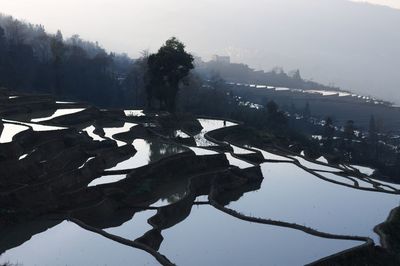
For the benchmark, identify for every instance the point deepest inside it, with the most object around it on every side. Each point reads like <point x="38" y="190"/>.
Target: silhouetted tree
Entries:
<point x="379" y="124"/>
<point x="166" y="70"/>
<point x="135" y="81"/>
<point x="293" y="108"/>
<point x="329" y="131"/>
<point x="349" y="129"/>
<point x="57" y="50"/>
<point x="2" y="54"/>
<point x="275" y="118"/>
<point x="307" y="110"/>
<point x="2" y="38"/>
<point x="272" y="108"/>
<point x="372" y="130"/>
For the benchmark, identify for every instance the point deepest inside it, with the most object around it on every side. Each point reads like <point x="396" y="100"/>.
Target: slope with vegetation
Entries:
<point x="33" y="60"/>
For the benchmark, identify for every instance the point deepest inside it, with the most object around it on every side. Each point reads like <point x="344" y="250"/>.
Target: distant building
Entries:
<point x="221" y="59"/>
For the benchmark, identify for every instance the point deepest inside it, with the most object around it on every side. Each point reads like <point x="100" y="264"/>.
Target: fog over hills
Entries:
<point x="352" y="45"/>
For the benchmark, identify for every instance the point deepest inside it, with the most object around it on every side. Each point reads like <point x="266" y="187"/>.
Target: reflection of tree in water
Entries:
<point x="177" y="196"/>
<point x="160" y="150"/>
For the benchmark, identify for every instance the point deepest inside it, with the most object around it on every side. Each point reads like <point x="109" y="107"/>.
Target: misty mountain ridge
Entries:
<point x="30" y="53"/>
<point x="351" y="45"/>
<point x="347" y="44"/>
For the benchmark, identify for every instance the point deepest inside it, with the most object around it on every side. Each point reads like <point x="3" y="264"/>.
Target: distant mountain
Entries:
<point x="349" y="44"/>
<point x="241" y="73"/>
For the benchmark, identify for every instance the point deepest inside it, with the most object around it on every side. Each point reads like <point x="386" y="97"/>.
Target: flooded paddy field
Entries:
<point x="83" y="186"/>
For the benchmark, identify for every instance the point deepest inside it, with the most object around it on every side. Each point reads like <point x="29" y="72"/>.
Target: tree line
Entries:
<point x="33" y="60"/>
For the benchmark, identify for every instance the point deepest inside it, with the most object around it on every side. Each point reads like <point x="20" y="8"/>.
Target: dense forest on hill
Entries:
<point x="33" y="60"/>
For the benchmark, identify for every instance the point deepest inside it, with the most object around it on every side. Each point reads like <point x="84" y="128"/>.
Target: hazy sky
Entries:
<point x="391" y="3"/>
<point x="352" y="45"/>
<point x="143" y="21"/>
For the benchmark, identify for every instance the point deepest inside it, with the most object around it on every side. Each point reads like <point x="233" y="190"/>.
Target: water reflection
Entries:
<point x="68" y="244"/>
<point x="57" y="113"/>
<point x="172" y="198"/>
<point x="209" y="237"/>
<point x="149" y="151"/>
<point x="36" y="127"/>
<point x="136" y="113"/>
<point x="239" y="150"/>
<point x="291" y="194"/>
<point x="210" y="125"/>
<point x="9" y="131"/>
<point x="185" y="232"/>
<point x="237" y="162"/>
<point x="315" y="166"/>
<point x="180" y="134"/>
<point x="109" y="132"/>
<point x="169" y="208"/>
<point x="364" y="170"/>
<point x="90" y="131"/>
<point x="202" y="151"/>
<point x="206" y="237"/>
<point x="106" y="180"/>
<point x="272" y="156"/>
